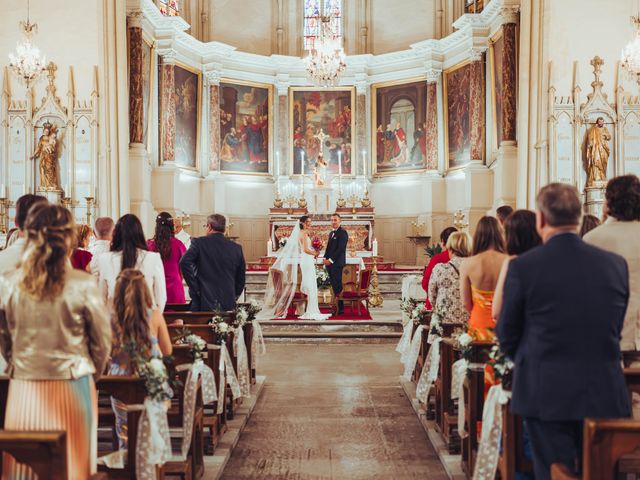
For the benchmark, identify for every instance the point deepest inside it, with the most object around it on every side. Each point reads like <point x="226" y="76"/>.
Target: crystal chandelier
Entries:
<point x="27" y="63"/>
<point x="326" y="60"/>
<point x="631" y="52"/>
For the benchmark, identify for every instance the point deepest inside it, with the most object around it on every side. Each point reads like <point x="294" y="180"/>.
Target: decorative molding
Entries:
<point x="134" y="19"/>
<point x="510" y="14"/>
<point x="476" y="54"/>
<point x="433" y="75"/>
<point x="168" y="55"/>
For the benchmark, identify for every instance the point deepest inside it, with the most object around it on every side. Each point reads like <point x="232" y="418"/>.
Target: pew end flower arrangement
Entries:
<point x="221" y="328"/>
<point x="502" y="367"/>
<point x="158" y="373"/>
<point x="196" y="343"/>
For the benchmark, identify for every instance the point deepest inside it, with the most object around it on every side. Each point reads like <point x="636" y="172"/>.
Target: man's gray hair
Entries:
<point x="217" y="222"/>
<point x="560" y="204"/>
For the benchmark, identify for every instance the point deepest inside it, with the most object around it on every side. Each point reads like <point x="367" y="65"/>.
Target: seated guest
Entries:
<point x="619" y="234"/>
<point x="103" y="233"/>
<point x="56" y="336"/>
<point x="589" y="222"/>
<point x="129" y="250"/>
<point x="135" y="322"/>
<point x="180" y="232"/>
<point x="81" y="257"/>
<point x="10" y="256"/>
<point x="562" y="314"/>
<point x="479" y="277"/>
<point x="442" y="257"/>
<point x="214" y="269"/>
<point x="171" y="251"/>
<point x="521" y="235"/>
<point x="502" y="213"/>
<point x="444" y="284"/>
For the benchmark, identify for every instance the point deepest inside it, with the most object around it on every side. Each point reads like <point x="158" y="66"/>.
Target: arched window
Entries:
<point x="313" y="11"/>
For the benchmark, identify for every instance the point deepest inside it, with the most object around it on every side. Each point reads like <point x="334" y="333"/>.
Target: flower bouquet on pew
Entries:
<point x="196" y="343"/>
<point x="252" y="308"/>
<point x="502" y="367"/>
<point x="420" y="316"/>
<point x="408" y="305"/>
<point x="221" y="328"/>
<point x="158" y="373"/>
<point x="241" y="317"/>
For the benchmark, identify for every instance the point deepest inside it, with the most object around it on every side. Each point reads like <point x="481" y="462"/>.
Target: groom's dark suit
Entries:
<point x="336" y="252"/>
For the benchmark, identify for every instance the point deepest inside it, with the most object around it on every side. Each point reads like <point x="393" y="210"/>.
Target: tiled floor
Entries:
<point x="333" y="412"/>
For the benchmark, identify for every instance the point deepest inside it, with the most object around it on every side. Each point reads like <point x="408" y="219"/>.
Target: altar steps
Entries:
<point x="336" y="331"/>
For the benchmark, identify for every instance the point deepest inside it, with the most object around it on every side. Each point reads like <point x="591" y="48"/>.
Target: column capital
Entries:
<point x="476" y="53"/>
<point x="433" y="75"/>
<point x="212" y="77"/>
<point x="282" y="84"/>
<point x="361" y="83"/>
<point x="168" y="55"/>
<point x="510" y="14"/>
<point x="134" y="19"/>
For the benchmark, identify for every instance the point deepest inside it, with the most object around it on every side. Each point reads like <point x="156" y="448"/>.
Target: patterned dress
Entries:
<point x="444" y="292"/>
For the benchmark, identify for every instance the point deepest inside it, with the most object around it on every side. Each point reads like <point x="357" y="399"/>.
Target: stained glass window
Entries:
<point x="313" y="21"/>
<point x="168" y="7"/>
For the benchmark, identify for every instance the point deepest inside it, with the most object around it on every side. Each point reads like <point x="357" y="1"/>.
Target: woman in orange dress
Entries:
<point x="478" y="278"/>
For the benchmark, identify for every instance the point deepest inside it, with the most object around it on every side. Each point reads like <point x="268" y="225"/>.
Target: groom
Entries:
<point x="335" y="257"/>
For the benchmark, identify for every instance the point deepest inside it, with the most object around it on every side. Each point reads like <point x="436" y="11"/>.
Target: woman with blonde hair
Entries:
<point x="444" y="283"/>
<point x="138" y="325"/>
<point x="56" y="337"/>
<point x="81" y="256"/>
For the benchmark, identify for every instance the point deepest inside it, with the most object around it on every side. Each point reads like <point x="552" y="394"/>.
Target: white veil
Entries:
<point x="283" y="279"/>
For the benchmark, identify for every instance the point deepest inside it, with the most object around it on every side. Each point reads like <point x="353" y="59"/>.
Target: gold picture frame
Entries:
<point x="198" y="154"/>
<point x="353" y="143"/>
<point x="153" y="69"/>
<point x="270" y="147"/>
<point x="445" y="106"/>
<point x="374" y="113"/>
<point x="495" y="144"/>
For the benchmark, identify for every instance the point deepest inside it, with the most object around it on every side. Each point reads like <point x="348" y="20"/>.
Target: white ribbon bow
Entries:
<point x="154" y="444"/>
<point x="429" y="372"/>
<point x="459" y="372"/>
<point x="489" y="448"/>
<point x="414" y="351"/>
<point x="197" y="370"/>
<point x="240" y="350"/>
<point x="227" y="376"/>
<point x="257" y="343"/>
<point x="405" y="341"/>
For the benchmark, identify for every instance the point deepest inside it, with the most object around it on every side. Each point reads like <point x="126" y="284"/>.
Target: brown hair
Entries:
<point x="623" y="198"/>
<point x="589" y="222"/>
<point x="83" y="232"/>
<point x="217" y="222"/>
<point x="459" y="243"/>
<point x="23" y="205"/>
<point x="521" y="233"/>
<point x="503" y="212"/>
<point x="164" y="232"/>
<point x="444" y="235"/>
<point x="50" y="233"/>
<point x="560" y="204"/>
<point x="132" y="302"/>
<point x="104" y="227"/>
<point x="488" y="236"/>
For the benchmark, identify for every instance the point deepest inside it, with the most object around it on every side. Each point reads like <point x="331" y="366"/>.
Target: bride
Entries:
<point x="297" y="254"/>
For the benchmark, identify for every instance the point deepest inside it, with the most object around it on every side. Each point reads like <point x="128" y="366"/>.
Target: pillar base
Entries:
<point x="594" y="200"/>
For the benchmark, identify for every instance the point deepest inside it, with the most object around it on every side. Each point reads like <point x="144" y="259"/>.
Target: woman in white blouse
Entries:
<point x="444" y="284"/>
<point x="129" y="250"/>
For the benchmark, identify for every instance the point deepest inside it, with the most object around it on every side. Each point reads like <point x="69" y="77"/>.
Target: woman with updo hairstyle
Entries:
<point x="522" y="235"/>
<point x="129" y="250"/>
<point x="136" y="323"/>
<point x="56" y="337"/>
<point x="81" y="257"/>
<point x="171" y="251"/>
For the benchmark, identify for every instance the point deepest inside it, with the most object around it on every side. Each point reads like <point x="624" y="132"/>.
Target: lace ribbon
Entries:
<point x="257" y="343"/>
<point x="489" y="448"/>
<point x="227" y="376"/>
<point x="154" y="444"/>
<point x="412" y="354"/>
<point x="197" y="370"/>
<point x="242" y="357"/>
<point x="429" y="371"/>
<point x="459" y="372"/>
<point x="405" y="341"/>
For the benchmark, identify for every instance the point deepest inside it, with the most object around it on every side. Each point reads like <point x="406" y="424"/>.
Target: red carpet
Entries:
<point x="349" y="314"/>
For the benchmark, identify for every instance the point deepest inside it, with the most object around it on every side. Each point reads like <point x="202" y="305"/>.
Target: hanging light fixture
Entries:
<point x="27" y="63"/>
<point x="631" y="52"/>
<point x="326" y="60"/>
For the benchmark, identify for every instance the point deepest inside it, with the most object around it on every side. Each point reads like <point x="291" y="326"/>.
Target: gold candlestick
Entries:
<point x="66" y="202"/>
<point x="366" y="201"/>
<point x="459" y="220"/>
<point x="353" y="200"/>
<point x="290" y="201"/>
<point x="4" y="215"/>
<point x="90" y="203"/>
<point x="375" y="298"/>
<point x="341" y="202"/>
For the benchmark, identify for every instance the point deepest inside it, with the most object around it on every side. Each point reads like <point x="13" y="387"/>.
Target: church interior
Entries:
<point x="410" y="125"/>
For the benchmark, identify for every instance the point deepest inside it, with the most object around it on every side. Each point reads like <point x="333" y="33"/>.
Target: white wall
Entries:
<point x="396" y="25"/>
<point x="68" y="35"/>
<point x="245" y="24"/>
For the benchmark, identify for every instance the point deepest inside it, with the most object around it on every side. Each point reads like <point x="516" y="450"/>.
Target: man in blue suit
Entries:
<point x="563" y="310"/>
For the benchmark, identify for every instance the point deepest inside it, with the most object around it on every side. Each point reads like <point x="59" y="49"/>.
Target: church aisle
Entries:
<point x="333" y="411"/>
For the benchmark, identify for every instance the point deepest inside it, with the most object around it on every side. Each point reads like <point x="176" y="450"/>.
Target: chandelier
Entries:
<point x="326" y="60"/>
<point x="27" y="63"/>
<point x="631" y="52"/>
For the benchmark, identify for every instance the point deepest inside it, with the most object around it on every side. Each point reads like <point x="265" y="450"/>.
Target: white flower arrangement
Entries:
<point x="282" y="242"/>
<point x="220" y="327"/>
<point x="322" y="278"/>
<point x="464" y="340"/>
<point x="154" y="373"/>
<point x="242" y="316"/>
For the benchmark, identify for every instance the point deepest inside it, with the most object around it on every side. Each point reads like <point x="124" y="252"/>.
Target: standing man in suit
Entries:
<point x="214" y="269"/>
<point x="563" y="311"/>
<point x="335" y="257"/>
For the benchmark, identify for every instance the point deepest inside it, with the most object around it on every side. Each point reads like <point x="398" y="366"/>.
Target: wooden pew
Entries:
<point x="512" y="458"/>
<point x="177" y="307"/>
<point x="44" y="452"/>
<point x="605" y="444"/>
<point x="446" y="418"/>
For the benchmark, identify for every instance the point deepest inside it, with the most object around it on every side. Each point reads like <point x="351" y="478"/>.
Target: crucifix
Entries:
<point x="322" y="137"/>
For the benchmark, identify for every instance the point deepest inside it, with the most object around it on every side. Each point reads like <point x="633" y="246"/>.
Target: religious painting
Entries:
<point x="147" y="85"/>
<point x="497" y="47"/>
<point x="245" y="121"/>
<point x="457" y="119"/>
<point x="399" y="114"/>
<point x="187" y="90"/>
<point x="321" y="125"/>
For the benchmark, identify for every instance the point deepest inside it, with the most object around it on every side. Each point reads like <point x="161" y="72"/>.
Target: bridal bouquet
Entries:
<point x="316" y="244"/>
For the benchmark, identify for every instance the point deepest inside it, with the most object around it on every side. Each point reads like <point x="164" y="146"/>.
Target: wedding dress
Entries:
<point x="283" y="280"/>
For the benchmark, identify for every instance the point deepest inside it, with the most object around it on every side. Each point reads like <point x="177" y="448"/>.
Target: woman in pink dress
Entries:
<point x="171" y="251"/>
